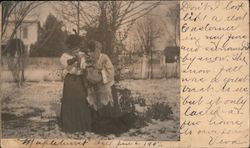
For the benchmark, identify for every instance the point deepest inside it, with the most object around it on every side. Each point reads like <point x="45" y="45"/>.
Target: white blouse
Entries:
<point x="102" y="94"/>
<point x="74" y="68"/>
<point x="107" y="69"/>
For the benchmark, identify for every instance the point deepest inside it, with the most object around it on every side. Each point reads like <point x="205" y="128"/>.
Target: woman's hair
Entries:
<point x="92" y="45"/>
<point x="73" y="40"/>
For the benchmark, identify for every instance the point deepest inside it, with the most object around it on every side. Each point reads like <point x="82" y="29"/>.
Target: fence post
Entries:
<point x="164" y="60"/>
<point x="144" y="65"/>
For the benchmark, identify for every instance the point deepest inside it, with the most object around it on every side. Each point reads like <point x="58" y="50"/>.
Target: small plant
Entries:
<point x="141" y="101"/>
<point x="160" y="111"/>
<point x="126" y="101"/>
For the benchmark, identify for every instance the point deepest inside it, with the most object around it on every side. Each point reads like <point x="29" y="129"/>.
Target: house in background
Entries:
<point x="28" y="32"/>
<point x="164" y="64"/>
<point x="171" y="58"/>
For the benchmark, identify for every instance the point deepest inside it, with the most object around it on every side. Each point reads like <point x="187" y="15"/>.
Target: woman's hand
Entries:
<point x="72" y="61"/>
<point x="78" y="57"/>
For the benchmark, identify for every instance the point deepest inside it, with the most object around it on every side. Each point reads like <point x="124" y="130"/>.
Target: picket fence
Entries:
<point x="50" y="69"/>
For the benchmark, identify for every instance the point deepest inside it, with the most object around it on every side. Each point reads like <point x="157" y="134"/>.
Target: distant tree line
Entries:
<point x="50" y="39"/>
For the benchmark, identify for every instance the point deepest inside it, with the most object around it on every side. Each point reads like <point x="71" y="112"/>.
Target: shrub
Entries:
<point x="126" y="101"/>
<point x="139" y="100"/>
<point x="160" y="111"/>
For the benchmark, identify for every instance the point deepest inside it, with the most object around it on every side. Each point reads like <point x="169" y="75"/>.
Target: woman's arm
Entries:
<point x="67" y="59"/>
<point x="108" y="70"/>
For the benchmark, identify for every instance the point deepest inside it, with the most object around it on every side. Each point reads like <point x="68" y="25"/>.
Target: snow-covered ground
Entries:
<point x="32" y="111"/>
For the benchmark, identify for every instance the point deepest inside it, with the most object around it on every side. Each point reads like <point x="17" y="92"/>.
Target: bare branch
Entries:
<point x="20" y="12"/>
<point x="143" y="12"/>
<point x="147" y="33"/>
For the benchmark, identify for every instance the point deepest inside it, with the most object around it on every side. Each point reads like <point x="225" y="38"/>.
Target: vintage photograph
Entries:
<point x="90" y="69"/>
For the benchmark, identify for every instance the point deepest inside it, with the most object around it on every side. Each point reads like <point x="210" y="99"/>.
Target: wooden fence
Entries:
<point x="50" y="69"/>
<point x="141" y="70"/>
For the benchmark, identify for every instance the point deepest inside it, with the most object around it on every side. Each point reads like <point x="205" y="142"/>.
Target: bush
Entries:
<point x="160" y="111"/>
<point x="139" y="100"/>
<point x="126" y="101"/>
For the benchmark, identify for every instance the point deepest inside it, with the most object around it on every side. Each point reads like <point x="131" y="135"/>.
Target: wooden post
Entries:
<point x="141" y="68"/>
<point x="151" y="68"/>
<point x="144" y="66"/>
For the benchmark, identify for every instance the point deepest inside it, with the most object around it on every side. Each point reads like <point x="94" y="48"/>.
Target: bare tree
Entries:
<point x="15" y="12"/>
<point x="174" y="15"/>
<point x="147" y="33"/>
<point x="105" y="20"/>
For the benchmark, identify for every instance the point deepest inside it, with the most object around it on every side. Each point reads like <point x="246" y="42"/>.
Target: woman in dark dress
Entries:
<point x="75" y="111"/>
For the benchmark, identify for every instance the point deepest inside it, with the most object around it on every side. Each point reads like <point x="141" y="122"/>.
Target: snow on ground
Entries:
<point x="32" y="111"/>
<point x="159" y="90"/>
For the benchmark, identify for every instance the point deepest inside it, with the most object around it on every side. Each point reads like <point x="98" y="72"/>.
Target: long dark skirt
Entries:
<point x="110" y="120"/>
<point x="75" y="112"/>
<point x="108" y="111"/>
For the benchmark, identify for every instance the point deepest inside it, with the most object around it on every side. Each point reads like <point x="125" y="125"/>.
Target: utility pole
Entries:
<point x="151" y="68"/>
<point x="151" y="56"/>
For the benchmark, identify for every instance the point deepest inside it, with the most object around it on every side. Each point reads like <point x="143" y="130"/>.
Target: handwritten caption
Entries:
<point x="87" y="143"/>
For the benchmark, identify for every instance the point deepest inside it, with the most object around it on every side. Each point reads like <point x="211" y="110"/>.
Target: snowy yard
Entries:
<point x="32" y="110"/>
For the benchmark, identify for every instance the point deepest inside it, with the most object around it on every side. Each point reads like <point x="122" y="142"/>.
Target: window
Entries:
<point x="25" y="32"/>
